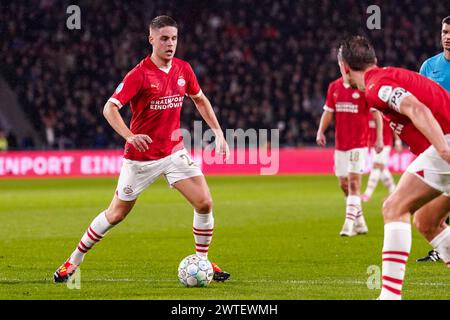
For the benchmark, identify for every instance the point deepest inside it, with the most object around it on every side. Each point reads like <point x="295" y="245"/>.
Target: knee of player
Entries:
<point x="391" y="208"/>
<point x="423" y="226"/>
<point x="353" y="185"/>
<point x="204" y="205"/>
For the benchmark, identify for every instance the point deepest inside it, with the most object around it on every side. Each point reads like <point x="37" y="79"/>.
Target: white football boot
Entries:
<point x="348" y="230"/>
<point x="360" y="225"/>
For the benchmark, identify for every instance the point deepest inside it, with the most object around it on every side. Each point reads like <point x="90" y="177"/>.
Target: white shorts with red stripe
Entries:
<point x="432" y="169"/>
<point x="349" y="161"/>
<point x="136" y="176"/>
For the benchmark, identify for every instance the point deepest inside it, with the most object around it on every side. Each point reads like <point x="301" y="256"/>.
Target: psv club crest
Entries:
<point x="181" y="82"/>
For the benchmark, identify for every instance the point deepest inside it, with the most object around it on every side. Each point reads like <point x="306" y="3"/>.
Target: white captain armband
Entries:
<point x="393" y="97"/>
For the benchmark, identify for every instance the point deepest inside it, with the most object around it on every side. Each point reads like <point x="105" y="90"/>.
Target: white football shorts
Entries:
<point x="136" y="176"/>
<point x="432" y="169"/>
<point x="351" y="161"/>
<point x="382" y="157"/>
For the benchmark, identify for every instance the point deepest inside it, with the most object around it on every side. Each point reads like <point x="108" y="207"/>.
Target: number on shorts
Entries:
<point x="354" y="156"/>
<point x="188" y="160"/>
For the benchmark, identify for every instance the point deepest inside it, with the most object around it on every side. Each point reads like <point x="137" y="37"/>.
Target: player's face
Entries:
<point x="445" y="36"/>
<point x="164" y="42"/>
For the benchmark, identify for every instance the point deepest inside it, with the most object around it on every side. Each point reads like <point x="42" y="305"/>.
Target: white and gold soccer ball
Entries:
<point x="195" y="271"/>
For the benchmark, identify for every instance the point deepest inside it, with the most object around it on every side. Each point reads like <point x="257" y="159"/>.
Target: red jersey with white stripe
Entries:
<point x="351" y="115"/>
<point x="387" y="87"/>
<point x="388" y="134"/>
<point x="156" y="98"/>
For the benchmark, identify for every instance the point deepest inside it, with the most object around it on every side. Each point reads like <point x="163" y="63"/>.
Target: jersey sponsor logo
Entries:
<point x="181" y="82"/>
<point x="356" y="95"/>
<point x="384" y="93"/>
<point x="168" y="102"/>
<point x="119" y="88"/>
<point x="397" y="97"/>
<point x="346" y="107"/>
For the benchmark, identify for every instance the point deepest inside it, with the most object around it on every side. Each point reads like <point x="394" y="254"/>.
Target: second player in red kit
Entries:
<point x="351" y="142"/>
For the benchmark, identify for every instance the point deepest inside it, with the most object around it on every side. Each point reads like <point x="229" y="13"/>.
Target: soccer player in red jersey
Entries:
<point x="419" y="111"/>
<point x="351" y="141"/>
<point x="155" y="90"/>
<point x="380" y="160"/>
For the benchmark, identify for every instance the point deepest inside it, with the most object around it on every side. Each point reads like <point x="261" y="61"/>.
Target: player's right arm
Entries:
<point x="112" y="115"/>
<point x="125" y="91"/>
<point x="325" y="121"/>
<point x="327" y="117"/>
<point x="424" y="120"/>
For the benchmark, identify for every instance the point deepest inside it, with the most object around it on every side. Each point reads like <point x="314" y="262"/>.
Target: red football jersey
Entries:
<point x="351" y="115"/>
<point x="388" y="134"/>
<point x="156" y="98"/>
<point x="385" y="90"/>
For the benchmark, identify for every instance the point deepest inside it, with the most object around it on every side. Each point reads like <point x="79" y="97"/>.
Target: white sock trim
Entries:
<point x="440" y="237"/>
<point x="397" y="226"/>
<point x="203" y="217"/>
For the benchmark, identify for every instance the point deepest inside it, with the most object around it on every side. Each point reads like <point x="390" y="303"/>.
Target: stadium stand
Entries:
<point x="262" y="66"/>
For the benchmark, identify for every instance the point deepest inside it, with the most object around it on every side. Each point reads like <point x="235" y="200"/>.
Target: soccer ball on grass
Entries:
<point x="195" y="271"/>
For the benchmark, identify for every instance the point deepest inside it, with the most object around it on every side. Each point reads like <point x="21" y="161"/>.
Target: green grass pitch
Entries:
<point x="277" y="236"/>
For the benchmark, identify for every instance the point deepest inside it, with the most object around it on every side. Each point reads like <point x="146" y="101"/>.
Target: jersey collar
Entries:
<point x="151" y="65"/>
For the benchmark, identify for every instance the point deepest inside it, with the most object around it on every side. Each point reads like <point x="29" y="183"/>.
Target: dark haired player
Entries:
<point x="155" y="90"/>
<point x="419" y="111"/>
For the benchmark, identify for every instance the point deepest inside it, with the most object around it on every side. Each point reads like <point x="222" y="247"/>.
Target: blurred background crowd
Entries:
<point x="263" y="64"/>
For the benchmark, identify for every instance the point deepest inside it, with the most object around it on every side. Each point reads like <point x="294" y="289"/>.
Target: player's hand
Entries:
<point x="379" y="146"/>
<point x="140" y="142"/>
<point x="222" y="146"/>
<point x="398" y="145"/>
<point x="445" y="155"/>
<point x="321" y="139"/>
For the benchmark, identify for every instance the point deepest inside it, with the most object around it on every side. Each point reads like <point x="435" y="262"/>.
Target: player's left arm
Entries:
<point x="398" y="145"/>
<point x="424" y="120"/>
<point x="379" y="145"/>
<point x="206" y="110"/>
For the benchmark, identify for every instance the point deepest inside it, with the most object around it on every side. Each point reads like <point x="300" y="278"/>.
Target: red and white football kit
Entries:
<point x="385" y="90"/>
<point x="351" y="127"/>
<point x="156" y="97"/>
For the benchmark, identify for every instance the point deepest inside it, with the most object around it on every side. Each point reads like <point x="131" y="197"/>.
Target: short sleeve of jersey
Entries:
<point x="386" y="93"/>
<point x="193" y="88"/>
<point x="128" y="88"/>
<point x="330" y="103"/>
<point x="425" y="69"/>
